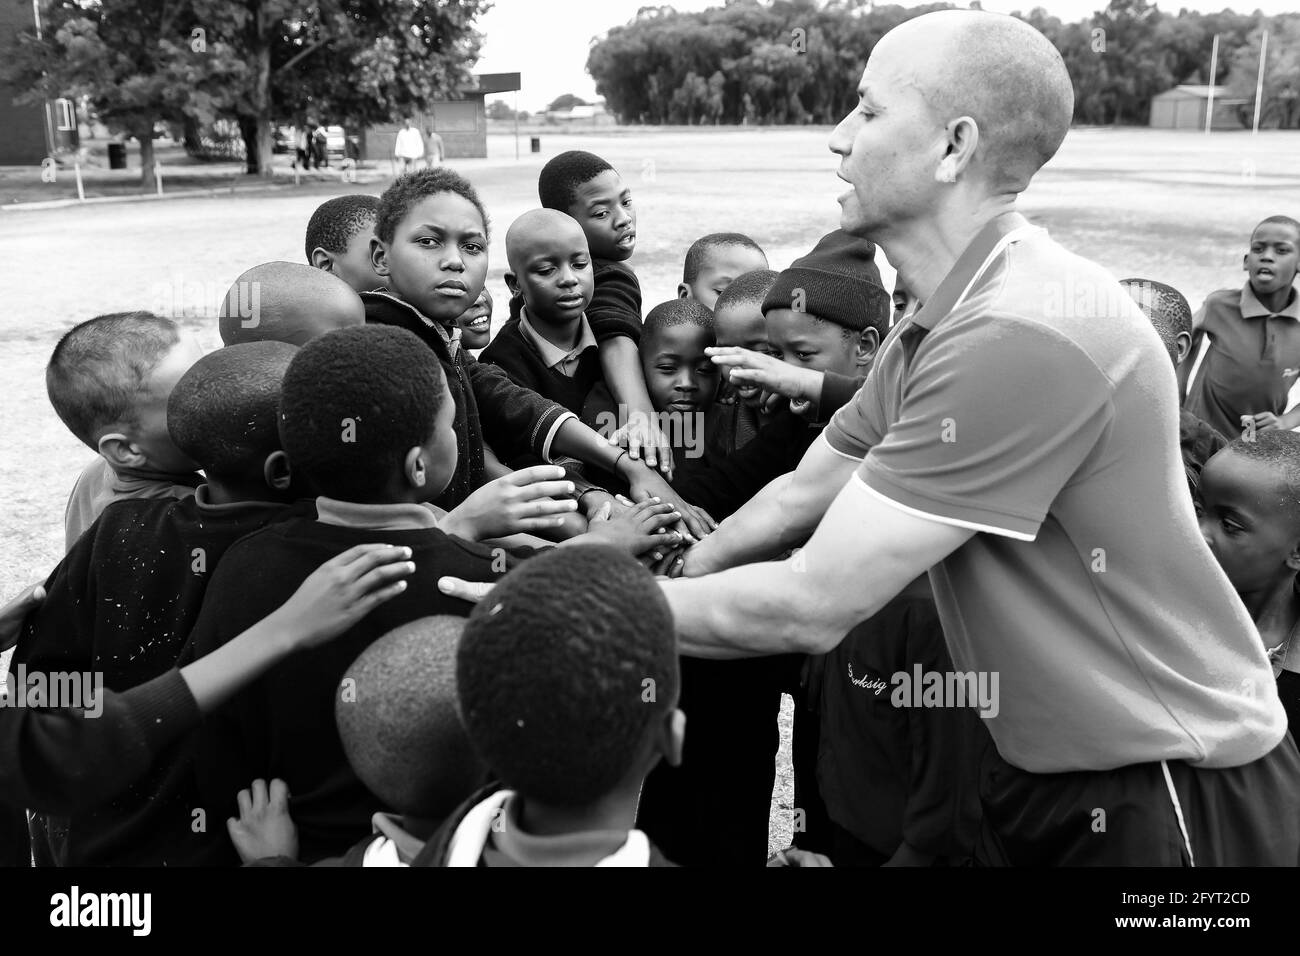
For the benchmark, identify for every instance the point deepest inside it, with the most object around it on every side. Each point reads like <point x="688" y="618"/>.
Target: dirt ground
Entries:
<point x="1174" y="206"/>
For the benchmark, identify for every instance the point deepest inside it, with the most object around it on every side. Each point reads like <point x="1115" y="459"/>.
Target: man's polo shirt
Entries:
<point x="564" y="361"/>
<point x="1031" y="401"/>
<point x="1250" y="363"/>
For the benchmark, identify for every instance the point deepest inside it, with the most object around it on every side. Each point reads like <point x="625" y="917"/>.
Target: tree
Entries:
<point x="354" y="62"/>
<point x="1281" y="106"/>
<point x="119" y="54"/>
<point x="566" y="101"/>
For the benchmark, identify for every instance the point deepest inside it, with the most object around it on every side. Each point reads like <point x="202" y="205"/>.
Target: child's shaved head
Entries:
<point x="1166" y="308"/>
<point x="287" y="302"/>
<point x="538" y="230"/>
<point x="401" y="729"/>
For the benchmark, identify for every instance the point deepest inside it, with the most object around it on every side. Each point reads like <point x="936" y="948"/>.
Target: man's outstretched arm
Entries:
<point x="865" y="551"/>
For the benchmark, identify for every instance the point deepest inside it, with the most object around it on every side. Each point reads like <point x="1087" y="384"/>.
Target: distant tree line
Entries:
<point x="799" y="61"/>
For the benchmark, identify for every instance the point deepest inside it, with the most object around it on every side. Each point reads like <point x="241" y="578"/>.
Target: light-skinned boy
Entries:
<point x="338" y="240"/>
<point x="122" y="602"/>
<point x="108" y="380"/>
<point x="714" y="261"/>
<point x="431" y="244"/>
<point x="1248" y="504"/>
<point x="1246" y="344"/>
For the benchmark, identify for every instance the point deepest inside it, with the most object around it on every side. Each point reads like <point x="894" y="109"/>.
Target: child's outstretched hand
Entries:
<point x="645" y="441"/>
<point x="264" y="827"/>
<point x="340" y="593"/>
<point x="13" y="614"/>
<point x="644" y="484"/>
<point x="803" y="386"/>
<point x="635" y="530"/>
<point x="527" y="500"/>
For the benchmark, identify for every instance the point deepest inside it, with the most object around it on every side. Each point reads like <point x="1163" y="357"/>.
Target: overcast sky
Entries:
<point x="547" y="40"/>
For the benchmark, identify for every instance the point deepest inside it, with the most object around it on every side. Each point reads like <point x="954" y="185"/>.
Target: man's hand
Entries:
<point x="340" y="593"/>
<point x="528" y="500"/>
<point x="14" y="613"/>
<point x="264" y="827"/>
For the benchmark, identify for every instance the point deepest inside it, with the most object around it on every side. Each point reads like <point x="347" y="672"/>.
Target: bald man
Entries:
<point x="287" y="302"/>
<point x="1015" y="441"/>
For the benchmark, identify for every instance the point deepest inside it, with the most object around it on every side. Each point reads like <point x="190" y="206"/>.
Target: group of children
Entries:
<point x="258" y="559"/>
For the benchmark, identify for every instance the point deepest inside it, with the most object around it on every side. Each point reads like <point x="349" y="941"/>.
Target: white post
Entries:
<point x="157" y="175"/>
<point x="1214" y="71"/>
<point x="81" y="192"/>
<point x="1259" y="83"/>
<point x="516" y="125"/>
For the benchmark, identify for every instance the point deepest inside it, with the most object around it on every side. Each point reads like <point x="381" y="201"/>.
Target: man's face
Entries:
<point x="603" y="208"/>
<point x="743" y="325"/>
<point x="1245" y="519"/>
<point x="888" y="146"/>
<point x="150" y="430"/>
<point x="679" y="376"/>
<point x="721" y="265"/>
<point x="438" y="258"/>
<point x="805" y="341"/>
<point x="1273" y="258"/>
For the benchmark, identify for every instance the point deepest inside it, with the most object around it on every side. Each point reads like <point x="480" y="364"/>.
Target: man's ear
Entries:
<point x="120" y="452"/>
<point x="1293" y="559"/>
<point x="1182" y="346"/>
<point x="321" y="259"/>
<point x="512" y="283"/>
<point x="413" y="467"/>
<point x="963" y="135"/>
<point x="275" y="471"/>
<point x="673" y="737"/>
<point x="684" y="291"/>
<point x="867" y="345"/>
<point x="379" y="257"/>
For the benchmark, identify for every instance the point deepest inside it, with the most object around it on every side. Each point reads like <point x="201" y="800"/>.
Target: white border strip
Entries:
<point x="956" y="522"/>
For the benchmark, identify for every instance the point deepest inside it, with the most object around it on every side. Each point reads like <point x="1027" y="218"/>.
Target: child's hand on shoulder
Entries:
<point x="340" y="593"/>
<point x="264" y="827"/>
<point x="529" y="500"/>
<point x="637" y="529"/>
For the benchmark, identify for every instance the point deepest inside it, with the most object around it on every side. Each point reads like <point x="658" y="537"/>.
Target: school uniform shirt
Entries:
<point x="615" y="307"/>
<point x="1049" y="429"/>
<point x="485" y="831"/>
<point x="99" y="484"/>
<point x="121" y="605"/>
<point x="565" y="376"/>
<point x="282" y="725"/>
<point x="1251" y="358"/>
<point x="516" y="421"/>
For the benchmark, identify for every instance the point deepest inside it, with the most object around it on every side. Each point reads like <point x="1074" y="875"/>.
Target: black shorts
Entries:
<point x="1151" y="814"/>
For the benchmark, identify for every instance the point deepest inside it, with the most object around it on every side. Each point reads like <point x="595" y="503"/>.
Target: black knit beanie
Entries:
<point x="838" y="281"/>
